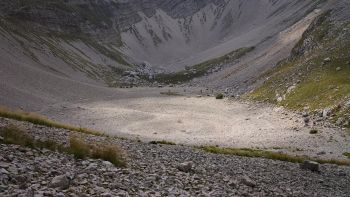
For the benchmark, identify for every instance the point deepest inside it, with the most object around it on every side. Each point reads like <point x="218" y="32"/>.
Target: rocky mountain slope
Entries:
<point x="96" y="41"/>
<point x="315" y="78"/>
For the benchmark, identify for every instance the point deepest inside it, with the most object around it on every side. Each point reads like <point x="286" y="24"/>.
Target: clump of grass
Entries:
<point x="109" y="153"/>
<point x="162" y="142"/>
<point x="269" y="155"/>
<point x="252" y="153"/>
<point x="81" y="150"/>
<point x="219" y="96"/>
<point x="77" y="147"/>
<point x="13" y="135"/>
<point x="347" y="154"/>
<point x="41" y="120"/>
<point x="313" y="131"/>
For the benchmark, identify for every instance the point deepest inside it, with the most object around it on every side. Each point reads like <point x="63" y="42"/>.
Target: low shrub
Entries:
<point x="313" y="131"/>
<point x="219" y="96"/>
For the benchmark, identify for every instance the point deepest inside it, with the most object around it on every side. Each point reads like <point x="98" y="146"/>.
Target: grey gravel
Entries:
<point x="153" y="170"/>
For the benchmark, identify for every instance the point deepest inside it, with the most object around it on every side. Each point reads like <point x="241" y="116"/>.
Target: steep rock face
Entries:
<point x="161" y="32"/>
<point x="94" y="15"/>
<point x="99" y="39"/>
<point x="175" y="42"/>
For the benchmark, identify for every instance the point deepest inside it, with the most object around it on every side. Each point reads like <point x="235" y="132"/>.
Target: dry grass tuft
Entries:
<point x="77" y="147"/>
<point x="245" y="152"/>
<point x="111" y="153"/>
<point x="41" y="120"/>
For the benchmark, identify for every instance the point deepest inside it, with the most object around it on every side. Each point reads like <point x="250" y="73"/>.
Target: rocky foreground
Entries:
<point x="156" y="170"/>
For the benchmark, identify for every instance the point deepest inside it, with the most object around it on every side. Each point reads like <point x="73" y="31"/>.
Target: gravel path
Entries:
<point x="153" y="170"/>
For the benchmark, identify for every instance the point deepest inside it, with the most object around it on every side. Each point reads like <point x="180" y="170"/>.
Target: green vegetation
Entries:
<point x="313" y="131"/>
<point x="162" y="142"/>
<point x="245" y="152"/>
<point x="320" y="76"/>
<point x="201" y="69"/>
<point x="77" y="147"/>
<point x="111" y="153"/>
<point x="41" y="120"/>
<point x="347" y="154"/>
<point x="81" y="150"/>
<point x="253" y="153"/>
<point x="219" y="96"/>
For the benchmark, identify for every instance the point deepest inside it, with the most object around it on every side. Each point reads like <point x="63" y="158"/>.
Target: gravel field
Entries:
<point x="156" y="170"/>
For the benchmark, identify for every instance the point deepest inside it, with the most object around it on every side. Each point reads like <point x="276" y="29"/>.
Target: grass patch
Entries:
<point x="111" y="153"/>
<point x="219" y="96"/>
<point x="77" y="147"/>
<point x="269" y="155"/>
<point x="253" y="153"/>
<point x="162" y="142"/>
<point x="13" y="135"/>
<point x="318" y="83"/>
<point x="41" y="120"/>
<point x="347" y="154"/>
<point x="313" y="131"/>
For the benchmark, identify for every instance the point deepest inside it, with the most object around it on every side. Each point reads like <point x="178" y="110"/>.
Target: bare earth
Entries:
<point x="147" y="115"/>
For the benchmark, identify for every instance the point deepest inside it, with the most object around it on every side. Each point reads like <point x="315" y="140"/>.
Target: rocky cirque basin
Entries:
<point x="58" y="57"/>
<point x="194" y="119"/>
<point x="156" y="170"/>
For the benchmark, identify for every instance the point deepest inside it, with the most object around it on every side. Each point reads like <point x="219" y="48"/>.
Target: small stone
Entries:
<point x="305" y="114"/>
<point x="290" y="89"/>
<point x="248" y="182"/>
<point x="107" y="164"/>
<point x="106" y="194"/>
<point x="185" y="167"/>
<point x="60" y="194"/>
<point x="326" y="60"/>
<point x="310" y="165"/>
<point x="3" y="171"/>
<point x="279" y="99"/>
<point x="233" y="184"/>
<point x="338" y="69"/>
<point x="326" y="112"/>
<point x="61" y="182"/>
